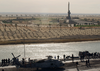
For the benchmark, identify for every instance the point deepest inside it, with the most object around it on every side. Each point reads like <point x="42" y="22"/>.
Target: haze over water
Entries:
<point x="38" y="51"/>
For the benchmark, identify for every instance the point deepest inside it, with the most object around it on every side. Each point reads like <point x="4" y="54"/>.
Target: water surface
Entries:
<point x="38" y="51"/>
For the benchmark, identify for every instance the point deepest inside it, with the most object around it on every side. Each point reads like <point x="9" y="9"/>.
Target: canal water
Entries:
<point x="40" y="51"/>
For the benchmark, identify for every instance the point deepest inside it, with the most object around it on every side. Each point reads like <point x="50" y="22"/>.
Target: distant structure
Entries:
<point x="73" y="22"/>
<point x="69" y="21"/>
<point x="68" y="18"/>
<point x="69" y="11"/>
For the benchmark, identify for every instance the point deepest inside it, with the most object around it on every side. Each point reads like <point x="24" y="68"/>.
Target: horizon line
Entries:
<point x="45" y="13"/>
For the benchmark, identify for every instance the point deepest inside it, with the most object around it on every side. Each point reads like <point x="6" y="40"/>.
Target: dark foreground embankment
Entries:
<point x="94" y="64"/>
<point x="53" y="40"/>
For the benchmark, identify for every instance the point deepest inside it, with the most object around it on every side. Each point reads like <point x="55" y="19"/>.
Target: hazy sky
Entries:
<point x="50" y="6"/>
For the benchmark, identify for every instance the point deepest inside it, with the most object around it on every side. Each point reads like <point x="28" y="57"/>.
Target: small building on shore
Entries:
<point x="80" y="22"/>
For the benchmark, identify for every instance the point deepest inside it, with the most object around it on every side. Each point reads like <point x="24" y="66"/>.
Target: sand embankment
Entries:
<point x="44" y="34"/>
<point x="56" y="40"/>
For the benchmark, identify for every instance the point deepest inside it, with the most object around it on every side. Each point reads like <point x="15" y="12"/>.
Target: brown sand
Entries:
<point x="55" y="34"/>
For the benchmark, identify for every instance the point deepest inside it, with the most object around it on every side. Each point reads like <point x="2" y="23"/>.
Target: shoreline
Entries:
<point x="52" y="40"/>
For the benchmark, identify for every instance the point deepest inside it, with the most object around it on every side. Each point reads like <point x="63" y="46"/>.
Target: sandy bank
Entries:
<point x="54" y="40"/>
<point x="43" y="34"/>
